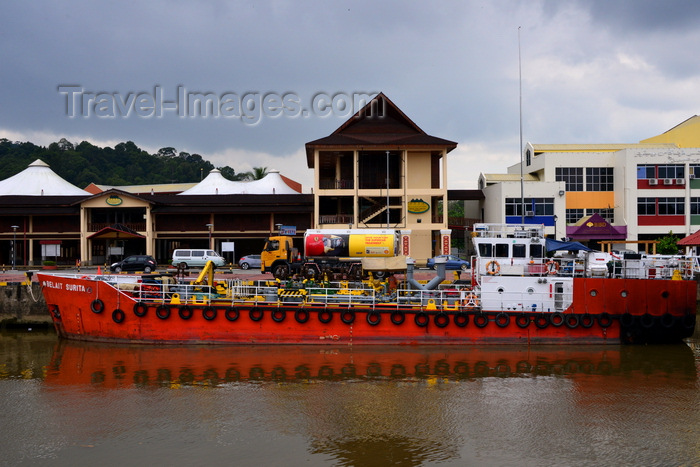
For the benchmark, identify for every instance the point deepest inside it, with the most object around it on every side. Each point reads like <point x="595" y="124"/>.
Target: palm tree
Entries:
<point x="257" y="174"/>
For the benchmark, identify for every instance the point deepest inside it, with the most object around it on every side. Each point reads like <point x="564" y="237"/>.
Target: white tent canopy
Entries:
<point x="216" y="184"/>
<point x="38" y="180"/>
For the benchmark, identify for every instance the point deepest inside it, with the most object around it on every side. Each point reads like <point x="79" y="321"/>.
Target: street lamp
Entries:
<point x="14" y="239"/>
<point x="387" y="190"/>
<point x="555" y="225"/>
<point x="209" y="226"/>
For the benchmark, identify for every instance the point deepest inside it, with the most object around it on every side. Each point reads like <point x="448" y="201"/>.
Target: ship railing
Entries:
<point x="651" y="267"/>
<point x="451" y="298"/>
<point x="538" y="267"/>
<point x="509" y="230"/>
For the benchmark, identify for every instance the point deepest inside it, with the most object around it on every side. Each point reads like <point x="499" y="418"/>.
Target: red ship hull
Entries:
<point x="603" y="311"/>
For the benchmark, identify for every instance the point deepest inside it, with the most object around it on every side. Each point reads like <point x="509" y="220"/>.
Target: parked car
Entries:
<point x="249" y="261"/>
<point x="143" y="263"/>
<point x="197" y="258"/>
<point x="451" y="262"/>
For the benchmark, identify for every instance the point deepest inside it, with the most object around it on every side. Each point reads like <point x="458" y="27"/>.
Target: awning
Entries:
<point x="691" y="240"/>
<point x="116" y="231"/>
<point x="594" y="227"/>
<point x="556" y="245"/>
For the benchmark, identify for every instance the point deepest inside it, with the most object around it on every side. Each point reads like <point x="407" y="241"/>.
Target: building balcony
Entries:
<point x="344" y="219"/>
<point x="333" y="184"/>
<point x="135" y="226"/>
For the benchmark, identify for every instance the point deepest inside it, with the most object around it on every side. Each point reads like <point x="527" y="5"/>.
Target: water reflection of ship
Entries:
<point x="75" y="363"/>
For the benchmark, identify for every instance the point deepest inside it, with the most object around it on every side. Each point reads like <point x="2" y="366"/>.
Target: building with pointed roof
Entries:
<point x="38" y="180"/>
<point x="216" y="184"/>
<point x="379" y="169"/>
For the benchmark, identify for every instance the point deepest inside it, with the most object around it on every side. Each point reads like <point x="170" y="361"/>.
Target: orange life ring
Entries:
<point x="493" y="268"/>
<point x="552" y="267"/>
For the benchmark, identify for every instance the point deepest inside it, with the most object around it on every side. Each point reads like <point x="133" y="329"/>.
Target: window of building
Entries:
<point x="671" y="206"/>
<point x="573" y="215"/>
<point x="646" y="171"/>
<point x="646" y="206"/>
<point x="573" y="176"/>
<point x="607" y="214"/>
<point x="538" y="206"/>
<point x="671" y="171"/>
<point x="513" y="207"/>
<point x="543" y="206"/>
<point x="694" y="170"/>
<point x="599" y="179"/>
<point x="694" y="206"/>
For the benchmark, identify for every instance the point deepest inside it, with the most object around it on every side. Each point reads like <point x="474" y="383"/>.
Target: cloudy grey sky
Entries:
<point x="600" y="71"/>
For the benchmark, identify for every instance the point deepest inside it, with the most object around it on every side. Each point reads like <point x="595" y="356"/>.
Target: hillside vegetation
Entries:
<point x="124" y="164"/>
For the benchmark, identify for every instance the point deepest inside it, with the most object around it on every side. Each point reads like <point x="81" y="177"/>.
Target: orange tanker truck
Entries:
<point x="334" y="253"/>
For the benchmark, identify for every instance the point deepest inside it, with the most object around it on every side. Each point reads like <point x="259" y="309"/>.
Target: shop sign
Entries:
<point x="288" y="230"/>
<point x="418" y="206"/>
<point x="113" y="200"/>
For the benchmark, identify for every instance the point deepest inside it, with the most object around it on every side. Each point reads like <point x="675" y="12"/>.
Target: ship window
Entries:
<point x="501" y="290"/>
<point x="536" y="251"/>
<point x="530" y="290"/>
<point x="623" y="293"/>
<point x="485" y="250"/>
<point x="501" y="250"/>
<point x="594" y="292"/>
<point x="518" y="250"/>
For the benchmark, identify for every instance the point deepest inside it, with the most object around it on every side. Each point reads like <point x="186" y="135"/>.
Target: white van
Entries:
<point x="196" y="258"/>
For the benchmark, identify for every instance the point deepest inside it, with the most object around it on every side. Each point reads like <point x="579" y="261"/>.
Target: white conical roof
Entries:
<point x="38" y="180"/>
<point x="216" y="184"/>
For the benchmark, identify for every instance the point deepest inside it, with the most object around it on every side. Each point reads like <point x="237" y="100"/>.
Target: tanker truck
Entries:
<point x="334" y="253"/>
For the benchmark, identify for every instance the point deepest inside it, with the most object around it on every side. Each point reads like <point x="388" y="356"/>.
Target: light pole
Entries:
<point x="555" y="225"/>
<point x="14" y="240"/>
<point x="387" y="190"/>
<point x="209" y="226"/>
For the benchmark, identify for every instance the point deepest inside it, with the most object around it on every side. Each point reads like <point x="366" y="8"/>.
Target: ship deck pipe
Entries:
<point x="434" y="282"/>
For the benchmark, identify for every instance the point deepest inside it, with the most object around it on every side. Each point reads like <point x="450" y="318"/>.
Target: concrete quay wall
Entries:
<point x="22" y="304"/>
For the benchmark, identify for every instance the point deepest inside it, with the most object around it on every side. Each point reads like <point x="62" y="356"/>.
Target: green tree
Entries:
<point x="257" y="173"/>
<point x="667" y="245"/>
<point x="125" y="164"/>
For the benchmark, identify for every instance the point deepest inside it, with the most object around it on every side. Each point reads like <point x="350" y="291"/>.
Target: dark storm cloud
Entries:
<point x="592" y="71"/>
<point x="644" y="16"/>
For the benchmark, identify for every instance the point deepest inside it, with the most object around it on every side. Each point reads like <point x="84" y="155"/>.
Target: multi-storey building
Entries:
<point x="631" y="193"/>
<point x="379" y="169"/>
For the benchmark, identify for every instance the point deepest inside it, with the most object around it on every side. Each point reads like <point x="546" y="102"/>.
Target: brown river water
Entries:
<point x="68" y="403"/>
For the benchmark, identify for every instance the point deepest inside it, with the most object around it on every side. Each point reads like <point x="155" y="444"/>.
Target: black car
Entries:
<point x="143" y="263"/>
